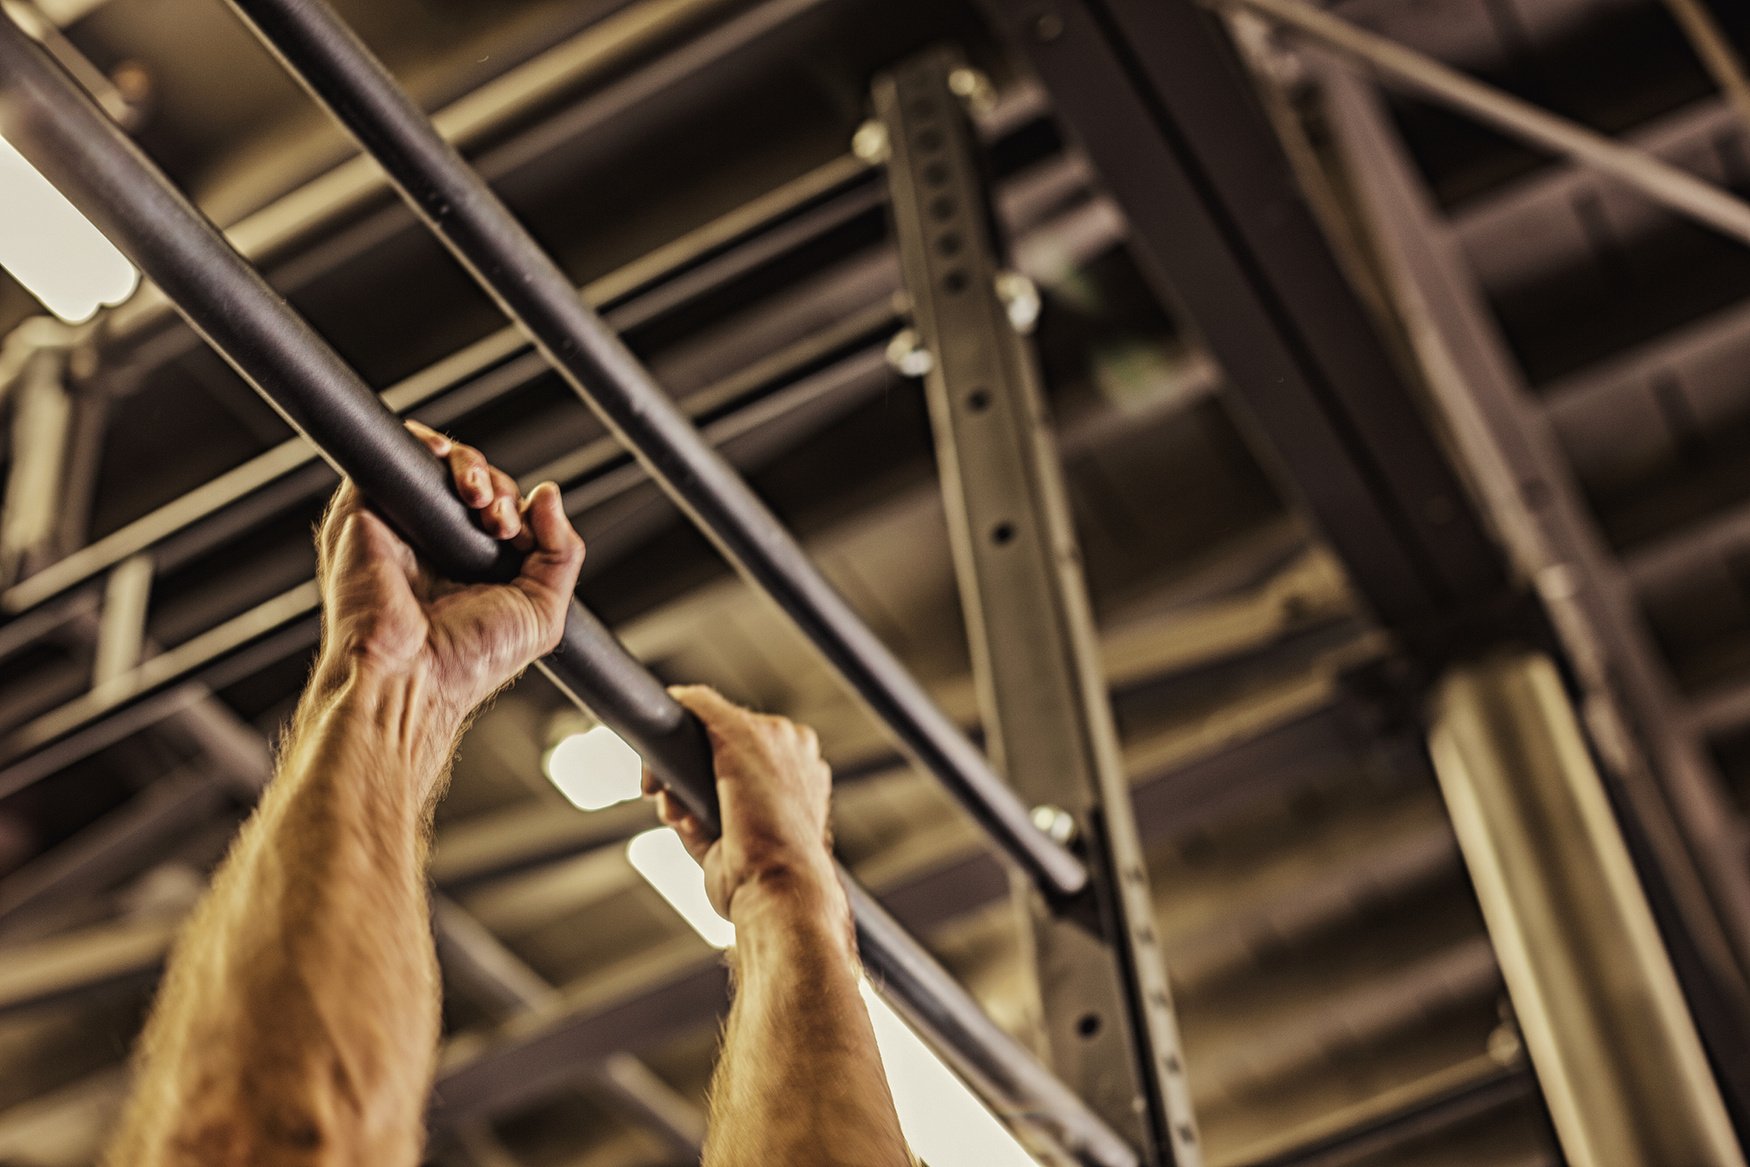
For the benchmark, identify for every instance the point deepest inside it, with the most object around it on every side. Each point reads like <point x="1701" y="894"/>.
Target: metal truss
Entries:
<point x="1154" y="95"/>
<point x="1215" y="222"/>
<point x="1674" y="805"/>
<point x="1425" y="77"/>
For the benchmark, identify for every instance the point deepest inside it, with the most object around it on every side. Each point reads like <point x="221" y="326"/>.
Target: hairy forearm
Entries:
<point x="800" y="1078"/>
<point x="299" y="1016"/>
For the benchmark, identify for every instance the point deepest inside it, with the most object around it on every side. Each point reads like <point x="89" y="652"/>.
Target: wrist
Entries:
<point x="398" y="707"/>
<point x="802" y="904"/>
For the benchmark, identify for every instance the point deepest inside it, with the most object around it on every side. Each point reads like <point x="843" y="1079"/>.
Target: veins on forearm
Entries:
<point x="800" y="1079"/>
<point x="298" y="1021"/>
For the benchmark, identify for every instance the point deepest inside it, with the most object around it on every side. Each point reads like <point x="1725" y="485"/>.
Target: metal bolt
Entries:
<point x="1504" y="1045"/>
<point x="907" y="356"/>
<point x="1020" y="296"/>
<point x="870" y="143"/>
<point x="974" y="88"/>
<point x="1057" y="823"/>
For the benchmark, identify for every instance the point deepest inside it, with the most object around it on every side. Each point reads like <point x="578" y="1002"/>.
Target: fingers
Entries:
<point x="722" y="717"/>
<point x="557" y="556"/>
<point x="472" y="475"/>
<point x="693" y="834"/>
<point x="716" y="711"/>
<point x="675" y="815"/>
<point x="549" y="572"/>
<point x="503" y="516"/>
<point x="438" y="443"/>
<point x="491" y="493"/>
<point x="684" y="823"/>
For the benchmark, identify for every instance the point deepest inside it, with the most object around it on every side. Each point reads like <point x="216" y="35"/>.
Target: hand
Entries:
<point x="773" y="788"/>
<point x="384" y="610"/>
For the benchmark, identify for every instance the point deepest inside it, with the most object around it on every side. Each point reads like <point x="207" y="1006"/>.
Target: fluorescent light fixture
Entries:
<point x="52" y="249"/>
<point x="595" y="769"/>
<point x="943" y="1120"/>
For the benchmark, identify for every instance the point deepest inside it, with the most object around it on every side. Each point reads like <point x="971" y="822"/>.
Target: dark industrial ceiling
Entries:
<point x="689" y="162"/>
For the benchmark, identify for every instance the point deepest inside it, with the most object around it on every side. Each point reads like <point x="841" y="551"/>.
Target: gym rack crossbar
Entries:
<point x="59" y="127"/>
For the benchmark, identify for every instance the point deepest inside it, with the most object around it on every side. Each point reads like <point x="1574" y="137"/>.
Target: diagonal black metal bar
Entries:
<point x="63" y="132"/>
<point x="507" y="262"/>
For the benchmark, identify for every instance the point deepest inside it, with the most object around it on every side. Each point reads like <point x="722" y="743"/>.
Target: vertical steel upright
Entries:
<point x="1616" y="1051"/>
<point x="1108" y="1019"/>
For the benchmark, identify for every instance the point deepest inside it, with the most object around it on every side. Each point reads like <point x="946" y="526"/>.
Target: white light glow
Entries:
<point x="943" y="1120"/>
<point x="52" y="249"/>
<point x="662" y="859"/>
<point x="595" y="769"/>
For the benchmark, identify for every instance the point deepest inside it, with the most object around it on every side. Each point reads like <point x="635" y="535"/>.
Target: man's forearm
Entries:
<point x="800" y="1079"/>
<point x="299" y="1018"/>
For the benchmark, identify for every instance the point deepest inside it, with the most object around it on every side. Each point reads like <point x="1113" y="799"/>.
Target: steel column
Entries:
<point x="1153" y="93"/>
<point x="1690" y="842"/>
<point x="1616" y="1052"/>
<point x="1108" y="1018"/>
<point x="86" y="155"/>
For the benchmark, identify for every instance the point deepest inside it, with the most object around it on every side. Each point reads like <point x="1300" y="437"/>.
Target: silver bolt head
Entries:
<point x="974" y="88"/>
<point x="1020" y="296"/>
<point x="870" y="143"/>
<point x="907" y="356"/>
<point x="1055" y="823"/>
<point x="1505" y="1045"/>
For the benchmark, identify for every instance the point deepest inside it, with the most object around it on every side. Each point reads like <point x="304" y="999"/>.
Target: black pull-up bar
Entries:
<point x="56" y="124"/>
<point x="458" y="206"/>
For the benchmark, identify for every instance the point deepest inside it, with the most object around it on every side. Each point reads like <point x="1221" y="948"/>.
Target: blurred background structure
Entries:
<point x="1398" y="356"/>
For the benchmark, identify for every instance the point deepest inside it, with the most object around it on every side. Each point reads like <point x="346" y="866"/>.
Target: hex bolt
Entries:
<point x="1058" y="824"/>
<point x="1020" y="297"/>
<point x="974" y="88"/>
<point x="870" y="143"/>
<point x="907" y="356"/>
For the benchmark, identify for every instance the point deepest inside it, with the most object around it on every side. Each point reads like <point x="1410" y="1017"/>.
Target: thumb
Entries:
<point x="549" y="574"/>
